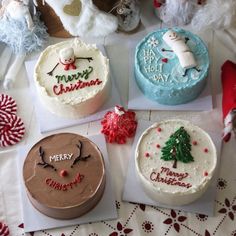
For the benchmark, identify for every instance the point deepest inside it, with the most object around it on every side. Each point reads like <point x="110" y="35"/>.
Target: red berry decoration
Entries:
<point x="4" y="230"/>
<point x="7" y="105"/>
<point x="119" y="125"/>
<point x="63" y="173"/>
<point x="205" y="173"/>
<point x="158" y="146"/>
<point x="11" y="130"/>
<point x="159" y="129"/>
<point x="206" y="150"/>
<point x="194" y="143"/>
<point x="147" y="154"/>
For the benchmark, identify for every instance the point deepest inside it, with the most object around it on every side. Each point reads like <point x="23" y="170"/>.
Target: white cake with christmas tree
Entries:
<point x="175" y="162"/>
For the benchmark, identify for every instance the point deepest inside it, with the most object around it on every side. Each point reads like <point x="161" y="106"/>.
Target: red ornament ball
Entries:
<point x="119" y="125"/>
<point x="12" y="129"/>
<point x="206" y="150"/>
<point x="158" y="145"/>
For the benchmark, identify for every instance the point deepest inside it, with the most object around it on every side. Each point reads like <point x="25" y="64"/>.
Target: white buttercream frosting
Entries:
<point x="191" y="179"/>
<point x="79" y="102"/>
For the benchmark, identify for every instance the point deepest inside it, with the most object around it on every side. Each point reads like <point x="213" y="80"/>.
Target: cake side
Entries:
<point x="173" y="181"/>
<point x="77" y="89"/>
<point x="64" y="175"/>
<point x="158" y="71"/>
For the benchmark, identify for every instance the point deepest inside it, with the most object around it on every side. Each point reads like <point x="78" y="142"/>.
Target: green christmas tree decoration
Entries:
<point x="178" y="148"/>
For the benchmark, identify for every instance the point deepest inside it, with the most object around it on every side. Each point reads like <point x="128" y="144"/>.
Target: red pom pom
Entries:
<point x="119" y="125"/>
<point x="11" y="130"/>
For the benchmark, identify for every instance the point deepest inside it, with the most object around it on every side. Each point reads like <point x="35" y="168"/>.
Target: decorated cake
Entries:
<point x="175" y="162"/>
<point x="171" y="66"/>
<point x="64" y="175"/>
<point x="72" y="78"/>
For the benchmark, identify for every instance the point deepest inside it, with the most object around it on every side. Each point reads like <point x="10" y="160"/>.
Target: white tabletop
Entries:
<point x="134" y="219"/>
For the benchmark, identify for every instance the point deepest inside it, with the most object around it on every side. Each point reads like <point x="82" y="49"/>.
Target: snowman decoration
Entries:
<point x="181" y="49"/>
<point x="67" y="59"/>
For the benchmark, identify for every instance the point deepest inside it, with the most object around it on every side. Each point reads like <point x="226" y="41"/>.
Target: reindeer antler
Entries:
<point x="79" y="158"/>
<point x="44" y="164"/>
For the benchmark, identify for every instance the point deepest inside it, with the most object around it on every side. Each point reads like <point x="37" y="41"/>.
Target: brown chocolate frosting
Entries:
<point x="64" y="175"/>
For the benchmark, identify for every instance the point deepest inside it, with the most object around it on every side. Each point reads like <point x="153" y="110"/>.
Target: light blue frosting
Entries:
<point x="163" y="81"/>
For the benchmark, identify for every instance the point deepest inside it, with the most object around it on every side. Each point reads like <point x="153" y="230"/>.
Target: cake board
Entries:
<point x="133" y="191"/>
<point x="104" y="210"/>
<point x="49" y="121"/>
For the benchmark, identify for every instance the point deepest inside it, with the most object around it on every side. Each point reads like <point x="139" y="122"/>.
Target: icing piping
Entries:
<point x="79" y="157"/>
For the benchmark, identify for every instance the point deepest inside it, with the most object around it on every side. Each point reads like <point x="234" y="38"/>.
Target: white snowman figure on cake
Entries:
<point x="181" y="49"/>
<point x="67" y="58"/>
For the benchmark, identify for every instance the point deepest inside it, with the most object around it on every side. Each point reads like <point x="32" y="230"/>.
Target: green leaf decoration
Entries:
<point x="178" y="148"/>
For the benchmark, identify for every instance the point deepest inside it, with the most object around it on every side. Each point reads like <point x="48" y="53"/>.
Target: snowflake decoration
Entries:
<point x="152" y="42"/>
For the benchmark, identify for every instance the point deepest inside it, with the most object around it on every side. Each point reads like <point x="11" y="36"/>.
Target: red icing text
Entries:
<point x="170" y="178"/>
<point x="64" y="187"/>
<point x="60" y="89"/>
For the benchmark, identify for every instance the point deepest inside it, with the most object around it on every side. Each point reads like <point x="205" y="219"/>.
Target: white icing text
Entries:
<point x="61" y="157"/>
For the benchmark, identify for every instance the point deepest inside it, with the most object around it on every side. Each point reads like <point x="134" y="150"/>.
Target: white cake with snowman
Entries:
<point x="72" y="78"/>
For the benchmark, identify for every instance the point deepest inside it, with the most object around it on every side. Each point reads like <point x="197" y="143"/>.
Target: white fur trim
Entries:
<point x="91" y="22"/>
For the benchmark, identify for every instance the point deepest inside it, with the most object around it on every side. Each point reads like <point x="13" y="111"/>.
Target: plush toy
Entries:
<point x="215" y="14"/>
<point x="228" y="80"/>
<point x="176" y="12"/>
<point x="20" y="31"/>
<point x="83" y="18"/>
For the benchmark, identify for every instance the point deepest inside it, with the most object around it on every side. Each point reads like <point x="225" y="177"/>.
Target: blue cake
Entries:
<point x="161" y="72"/>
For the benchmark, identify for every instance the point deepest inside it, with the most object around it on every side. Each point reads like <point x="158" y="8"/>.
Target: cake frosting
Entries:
<point x="72" y="78"/>
<point x="171" y="66"/>
<point x="64" y="175"/>
<point x="175" y="162"/>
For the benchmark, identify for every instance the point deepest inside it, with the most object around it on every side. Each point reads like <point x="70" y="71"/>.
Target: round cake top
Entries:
<point x="71" y="71"/>
<point x="162" y="64"/>
<point x="63" y="170"/>
<point x="175" y="156"/>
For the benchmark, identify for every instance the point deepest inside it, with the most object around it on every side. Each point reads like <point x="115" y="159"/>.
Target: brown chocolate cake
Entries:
<point x="64" y="175"/>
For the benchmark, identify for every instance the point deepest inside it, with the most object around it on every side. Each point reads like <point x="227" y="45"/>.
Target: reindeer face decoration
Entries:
<point x="64" y="171"/>
<point x="61" y="157"/>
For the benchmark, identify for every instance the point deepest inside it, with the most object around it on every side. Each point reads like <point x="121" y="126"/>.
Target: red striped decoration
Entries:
<point x="11" y="129"/>
<point x="7" y="104"/>
<point x="4" y="230"/>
